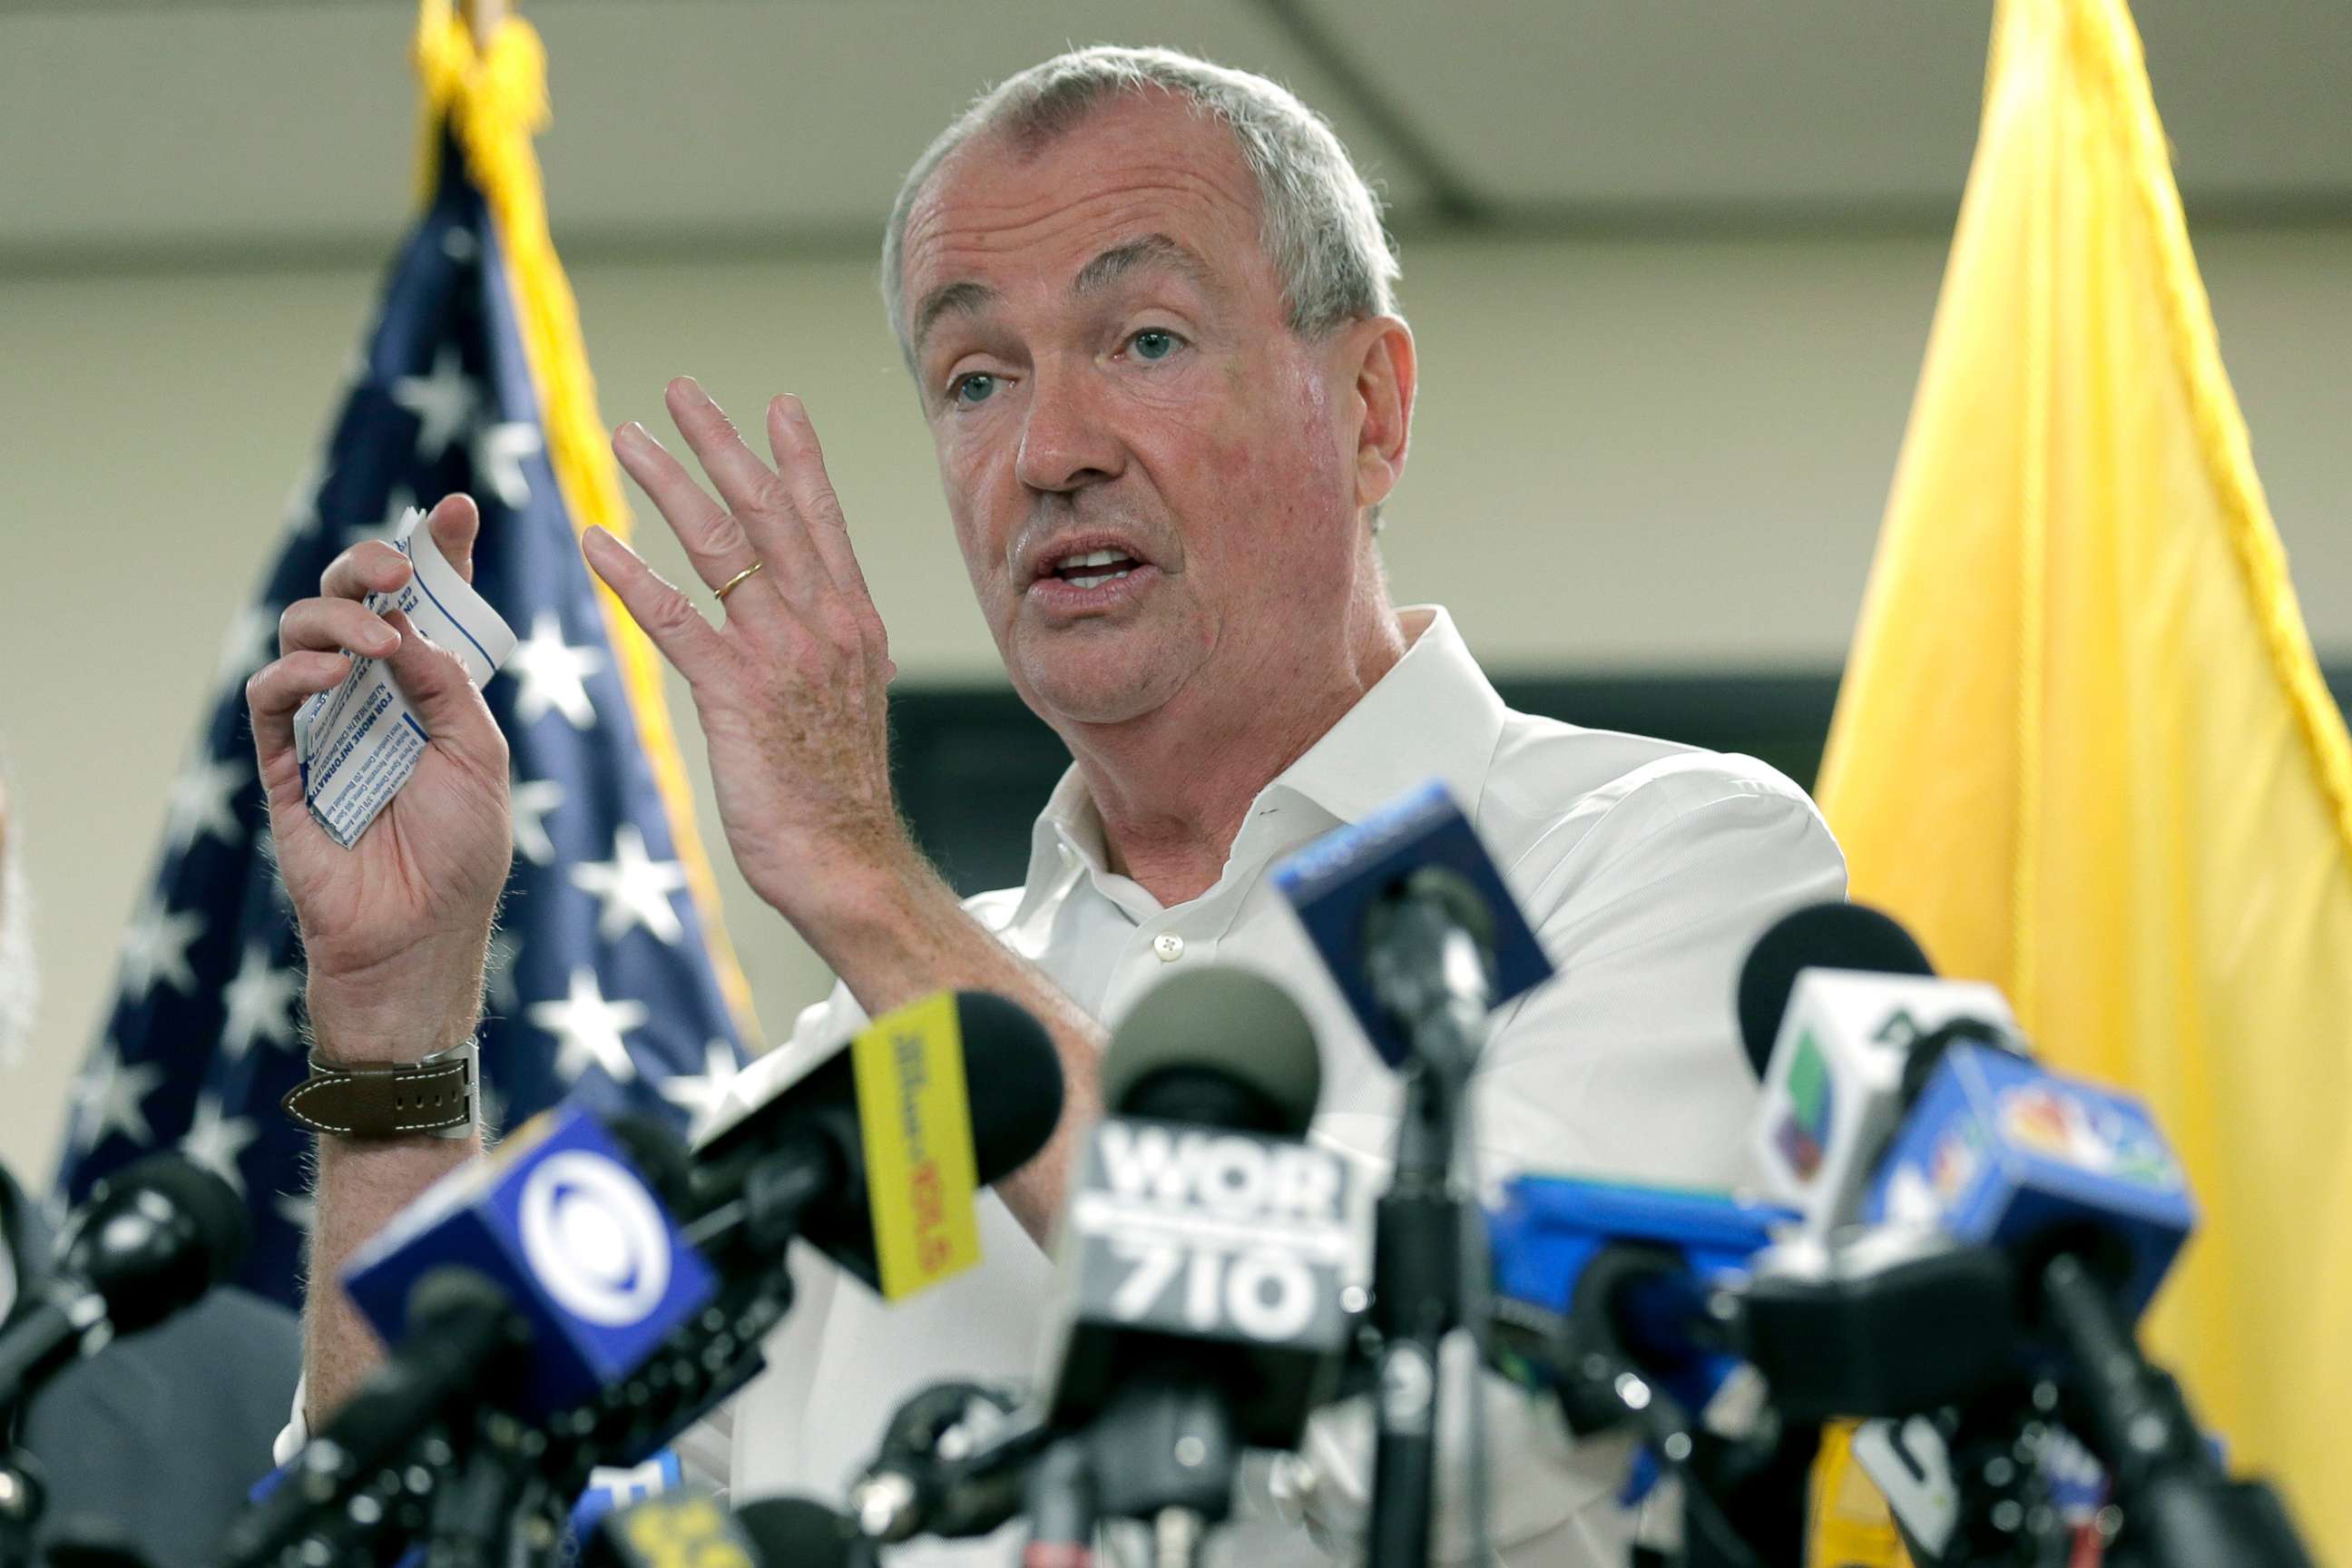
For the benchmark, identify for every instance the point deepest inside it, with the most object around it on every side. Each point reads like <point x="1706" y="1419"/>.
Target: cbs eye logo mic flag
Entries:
<point x="569" y="1234"/>
<point x="611" y="976"/>
<point x="579" y="1205"/>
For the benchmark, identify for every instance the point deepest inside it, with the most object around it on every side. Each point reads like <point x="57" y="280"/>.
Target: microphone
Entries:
<point x="1414" y="922"/>
<point x="1686" y="1286"/>
<point x="2073" y="1183"/>
<point x="874" y="1153"/>
<point x="1632" y="1273"/>
<point x="1204" y="1253"/>
<point x="798" y="1532"/>
<point x="527" y="1282"/>
<point x="953" y="1462"/>
<point x="2069" y="1185"/>
<point x="1622" y="1303"/>
<point x="691" y="1530"/>
<point x="1410" y="916"/>
<point x="1834" y="935"/>
<point x="559" y="1227"/>
<point x="2002" y="1153"/>
<point x="150" y="1240"/>
<point x="1835" y="1002"/>
<point x="1883" y="1323"/>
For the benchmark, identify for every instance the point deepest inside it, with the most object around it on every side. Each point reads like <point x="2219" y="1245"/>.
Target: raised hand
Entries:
<point x="396" y="928"/>
<point x="791" y="687"/>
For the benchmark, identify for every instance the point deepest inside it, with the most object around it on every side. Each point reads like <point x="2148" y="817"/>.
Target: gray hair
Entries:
<point x="1318" y="221"/>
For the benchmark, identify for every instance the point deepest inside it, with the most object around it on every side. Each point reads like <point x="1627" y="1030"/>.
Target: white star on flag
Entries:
<point x="499" y="973"/>
<point x="550" y="671"/>
<point x="107" y="1096"/>
<point x="528" y="803"/>
<point x="442" y="402"/>
<point x="302" y="502"/>
<point x="299" y="1210"/>
<point x="155" y="947"/>
<point x="498" y="452"/>
<point x="217" y="1142"/>
<point x="398" y="503"/>
<point x="259" y="1002"/>
<point x="632" y="888"/>
<point x="250" y="642"/>
<point x="588" y="1029"/>
<point x="700" y="1094"/>
<point x="198" y="804"/>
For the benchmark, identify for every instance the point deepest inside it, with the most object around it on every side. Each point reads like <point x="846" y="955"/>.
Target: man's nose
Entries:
<point x="1066" y="443"/>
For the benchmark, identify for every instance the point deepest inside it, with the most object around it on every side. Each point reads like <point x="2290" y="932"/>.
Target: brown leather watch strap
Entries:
<point x="387" y="1099"/>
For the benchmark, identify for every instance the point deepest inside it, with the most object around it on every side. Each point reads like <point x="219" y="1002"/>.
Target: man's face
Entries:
<point x="1102" y="353"/>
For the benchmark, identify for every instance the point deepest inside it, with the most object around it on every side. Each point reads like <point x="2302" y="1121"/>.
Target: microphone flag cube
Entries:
<point x="2001" y="1152"/>
<point x="1833" y="1089"/>
<point x="914" y="1112"/>
<point x="1550" y="1229"/>
<point x="1205" y="1237"/>
<point x="1333" y="883"/>
<point x="559" y="1221"/>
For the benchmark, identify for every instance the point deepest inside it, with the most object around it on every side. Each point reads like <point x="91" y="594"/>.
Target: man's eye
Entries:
<point x="1153" y="343"/>
<point x="967" y="391"/>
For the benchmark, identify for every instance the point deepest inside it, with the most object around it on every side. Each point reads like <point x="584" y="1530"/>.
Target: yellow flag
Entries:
<point x="2083" y="748"/>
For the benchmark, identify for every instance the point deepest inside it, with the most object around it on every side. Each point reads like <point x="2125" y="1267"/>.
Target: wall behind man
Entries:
<point x="1630" y="454"/>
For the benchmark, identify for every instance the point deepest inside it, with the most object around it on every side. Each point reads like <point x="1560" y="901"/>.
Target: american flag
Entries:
<point x="602" y="976"/>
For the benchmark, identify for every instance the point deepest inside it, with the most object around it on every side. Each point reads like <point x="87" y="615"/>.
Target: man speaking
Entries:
<point x="1147" y="304"/>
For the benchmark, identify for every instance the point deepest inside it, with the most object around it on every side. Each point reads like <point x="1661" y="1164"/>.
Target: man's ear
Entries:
<point x="1382" y="351"/>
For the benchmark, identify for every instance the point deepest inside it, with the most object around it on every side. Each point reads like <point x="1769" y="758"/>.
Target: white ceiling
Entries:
<point x="167" y="130"/>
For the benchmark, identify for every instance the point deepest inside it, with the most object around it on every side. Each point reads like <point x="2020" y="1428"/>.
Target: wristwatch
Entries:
<point x="437" y="1094"/>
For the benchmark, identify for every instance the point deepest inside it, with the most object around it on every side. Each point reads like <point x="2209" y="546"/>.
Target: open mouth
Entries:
<point x="1094" y="568"/>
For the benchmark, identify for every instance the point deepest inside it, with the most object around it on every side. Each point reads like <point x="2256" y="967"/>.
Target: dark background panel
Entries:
<point x="974" y="766"/>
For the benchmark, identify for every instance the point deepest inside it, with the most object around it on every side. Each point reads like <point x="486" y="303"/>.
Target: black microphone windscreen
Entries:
<point x="188" y="1233"/>
<point x="1013" y="1077"/>
<point x="797" y="1532"/>
<point x="658" y="1154"/>
<point x="1226" y="1022"/>
<point x="1819" y="936"/>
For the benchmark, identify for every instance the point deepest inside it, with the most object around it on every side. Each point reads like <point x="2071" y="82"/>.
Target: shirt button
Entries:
<point x="1169" y="946"/>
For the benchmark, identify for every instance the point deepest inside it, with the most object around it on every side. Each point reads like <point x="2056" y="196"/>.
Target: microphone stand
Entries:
<point x="1434" y="979"/>
<point x="2181" y="1508"/>
<point x="1062" y="1511"/>
<point x="22" y="1495"/>
<point x="339" y="1506"/>
<point x="481" y="1510"/>
<point x="1165" y="1451"/>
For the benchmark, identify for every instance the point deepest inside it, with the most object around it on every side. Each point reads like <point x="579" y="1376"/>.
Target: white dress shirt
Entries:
<point x="1647" y="870"/>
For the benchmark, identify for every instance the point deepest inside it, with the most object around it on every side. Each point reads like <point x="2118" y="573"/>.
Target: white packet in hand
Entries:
<point x="359" y="743"/>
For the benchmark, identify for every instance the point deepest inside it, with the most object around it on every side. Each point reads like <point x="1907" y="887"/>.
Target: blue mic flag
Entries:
<point x="1333" y="883"/>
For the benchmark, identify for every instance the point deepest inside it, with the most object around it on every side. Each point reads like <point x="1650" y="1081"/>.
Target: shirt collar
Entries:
<point x="1433" y="715"/>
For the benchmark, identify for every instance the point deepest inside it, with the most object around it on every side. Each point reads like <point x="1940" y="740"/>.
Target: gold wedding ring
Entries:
<point x="735" y="582"/>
